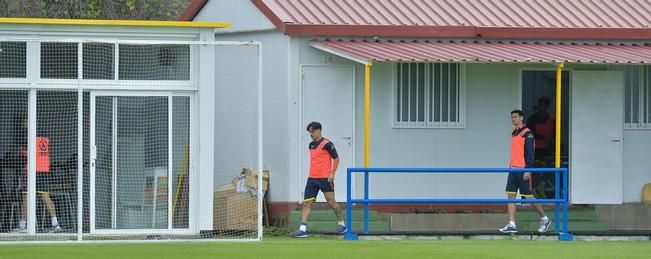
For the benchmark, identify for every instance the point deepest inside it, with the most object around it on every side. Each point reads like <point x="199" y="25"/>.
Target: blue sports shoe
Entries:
<point x="510" y="229"/>
<point x="341" y="229"/>
<point x="299" y="233"/>
<point x="544" y="225"/>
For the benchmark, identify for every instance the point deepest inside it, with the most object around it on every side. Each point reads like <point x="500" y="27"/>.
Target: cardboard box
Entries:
<point x="234" y="211"/>
<point x="251" y="178"/>
<point x="156" y="185"/>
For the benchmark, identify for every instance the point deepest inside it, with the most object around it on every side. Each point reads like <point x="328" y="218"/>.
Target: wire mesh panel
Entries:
<point x="141" y="165"/>
<point x="154" y="62"/>
<point x="133" y="103"/>
<point x="237" y="144"/>
<point x="13" y="59"/>
<point x="98" y="61"/>
<point x="59" y="60"/>
<point x="13" y="160"/>
<point x="132" y="163"/>
<point x="103" y="162"/>
<point x="54" y="137"/>
<point x="56" y="161"/>
<point x="181" y="161"/>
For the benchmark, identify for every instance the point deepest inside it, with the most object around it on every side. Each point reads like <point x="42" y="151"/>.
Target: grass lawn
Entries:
<point x="335" y="248"/>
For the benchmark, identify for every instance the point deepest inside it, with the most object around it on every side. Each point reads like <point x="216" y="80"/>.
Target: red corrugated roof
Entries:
<point x="481" y="13"/>
<point x="486" y="51"/>
<point x="192" y="10"/>
<point x="561" y="19"/>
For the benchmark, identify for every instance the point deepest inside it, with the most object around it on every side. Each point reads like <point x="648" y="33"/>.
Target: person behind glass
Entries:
<point x="43" y="176"/>
<point x="543" y="125"/>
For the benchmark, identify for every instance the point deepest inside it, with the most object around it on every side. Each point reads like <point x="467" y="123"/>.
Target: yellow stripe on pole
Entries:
<point x="557" y="155"/>
<point x="367" y="113"/>
<point x="45" y="21"/>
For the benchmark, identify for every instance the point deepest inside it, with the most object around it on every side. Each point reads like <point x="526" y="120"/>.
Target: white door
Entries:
<point x="139" y="162"/>
<point x="328" y="98"/>
<point x="596" y="159"/>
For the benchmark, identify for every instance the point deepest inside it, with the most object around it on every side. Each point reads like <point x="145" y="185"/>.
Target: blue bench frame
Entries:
<point x="560" y="202"/>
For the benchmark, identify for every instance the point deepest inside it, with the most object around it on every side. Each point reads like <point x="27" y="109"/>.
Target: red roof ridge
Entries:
<point x="192" y="10"/>
<point x="534" y="19"/>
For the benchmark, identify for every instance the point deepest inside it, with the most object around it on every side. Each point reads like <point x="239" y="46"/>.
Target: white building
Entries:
<point x="499" y="58"/>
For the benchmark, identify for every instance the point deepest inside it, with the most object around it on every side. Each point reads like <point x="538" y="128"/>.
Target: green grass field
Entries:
<point x="336" y="248"/>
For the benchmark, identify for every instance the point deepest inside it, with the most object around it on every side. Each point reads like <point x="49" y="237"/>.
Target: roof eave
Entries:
<point x="193" y="10"/>
<point x="380" y="31"/>
<point x="271" y="15"/>
<point x="565" y="33"/>
<point x="318" y="30"/>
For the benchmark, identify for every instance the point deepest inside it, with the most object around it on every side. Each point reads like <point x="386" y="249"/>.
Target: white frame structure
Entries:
<point x="115" y="87"/>
<point x="170" y="229"/>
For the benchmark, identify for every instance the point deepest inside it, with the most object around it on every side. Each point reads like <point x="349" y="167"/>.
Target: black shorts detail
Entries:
<point x="43" y="181"/>
<point x="516" y="182"/>
<point x="314" y="185"/>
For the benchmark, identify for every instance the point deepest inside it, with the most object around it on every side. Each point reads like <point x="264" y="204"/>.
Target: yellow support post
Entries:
<point x="367" y="113"/>
<point x="557" y="153"/>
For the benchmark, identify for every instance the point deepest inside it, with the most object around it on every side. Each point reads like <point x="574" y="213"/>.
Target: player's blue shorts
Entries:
<point x="43" y="181"/>
<point x="313" y="186"/>
<point x="517" y="182"/>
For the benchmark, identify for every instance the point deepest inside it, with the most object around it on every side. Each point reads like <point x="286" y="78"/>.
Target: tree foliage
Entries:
<point x="94" y="9"/>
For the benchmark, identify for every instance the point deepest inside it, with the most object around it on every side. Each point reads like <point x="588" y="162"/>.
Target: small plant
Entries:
<point x="417" y="211"/>
<point x="275" y="232"/>
<point x="461" y="211"/>
<point x="423" y="211"/>
<point x="438" y="211"/>
<point x="486" y="211"/>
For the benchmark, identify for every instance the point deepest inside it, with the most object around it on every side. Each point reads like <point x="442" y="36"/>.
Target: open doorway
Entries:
<point x="539" y="107"/>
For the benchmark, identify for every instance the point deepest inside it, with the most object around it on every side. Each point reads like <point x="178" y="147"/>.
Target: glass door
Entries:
<point x="139" y="162"/>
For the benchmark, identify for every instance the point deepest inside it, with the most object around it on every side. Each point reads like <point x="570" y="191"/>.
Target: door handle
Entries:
<point x="93" y="153"/>
<point x="347" y="138"/>
<point x="616" y="140"/>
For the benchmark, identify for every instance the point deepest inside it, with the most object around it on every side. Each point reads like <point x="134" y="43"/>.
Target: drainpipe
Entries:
<point x="367" y="113"/>
<point x="557" y="155"/>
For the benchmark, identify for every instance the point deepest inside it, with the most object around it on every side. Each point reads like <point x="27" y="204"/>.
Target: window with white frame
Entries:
<point x="637" y="94"/>
<point x="99" y="61"/>
<point x="59" y="60"/>
<point x="13" y="59"/>
<point x="154" y="62"/>
<point x="429" y="95"/>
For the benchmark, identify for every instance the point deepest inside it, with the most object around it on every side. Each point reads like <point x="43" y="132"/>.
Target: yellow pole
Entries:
<point x="557" y="158"/>
<point x="179" y="181"/>
<point x="367" y="113"/>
